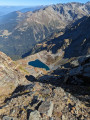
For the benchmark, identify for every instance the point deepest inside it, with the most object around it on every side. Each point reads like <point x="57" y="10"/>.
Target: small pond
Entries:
<point x="39" y="64"/>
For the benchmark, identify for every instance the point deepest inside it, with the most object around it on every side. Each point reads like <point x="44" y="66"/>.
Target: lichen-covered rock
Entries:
<point x="35" y="115"/>
<point x="46" y="108"/>
<point x="9" y="118"/>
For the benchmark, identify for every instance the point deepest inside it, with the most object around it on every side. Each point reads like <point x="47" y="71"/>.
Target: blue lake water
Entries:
<point x="39" y="64"/>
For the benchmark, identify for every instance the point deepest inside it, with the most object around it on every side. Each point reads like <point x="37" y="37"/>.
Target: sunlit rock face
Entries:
<point x="10" y="76"/>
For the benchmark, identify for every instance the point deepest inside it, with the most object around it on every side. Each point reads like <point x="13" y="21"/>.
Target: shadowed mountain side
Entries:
<point x="75" y="41"/>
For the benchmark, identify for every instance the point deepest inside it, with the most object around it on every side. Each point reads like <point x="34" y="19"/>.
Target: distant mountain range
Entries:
<point x="19" y="32"/>
<point x="7" y="9"/>
<point x="31" y="9"/>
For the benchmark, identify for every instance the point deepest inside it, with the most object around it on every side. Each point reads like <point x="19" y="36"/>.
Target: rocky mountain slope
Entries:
<point x="63" y="47"/>
<point x="62" y="94"/>
<point x="33" y="27"/>
<point x="11" y="75"/>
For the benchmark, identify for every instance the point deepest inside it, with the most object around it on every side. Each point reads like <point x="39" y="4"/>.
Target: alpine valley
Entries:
<point x="45" y="63"/>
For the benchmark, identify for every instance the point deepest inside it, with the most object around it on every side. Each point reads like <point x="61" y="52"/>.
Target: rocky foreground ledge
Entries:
<point x="63" y="94"/>
<point x="10" y="76"/>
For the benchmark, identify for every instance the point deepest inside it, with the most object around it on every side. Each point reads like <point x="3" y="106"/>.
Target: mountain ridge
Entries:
<point x="28" y="92"/>
<point x="78" y="32"/>
<point x="29" y="28"/>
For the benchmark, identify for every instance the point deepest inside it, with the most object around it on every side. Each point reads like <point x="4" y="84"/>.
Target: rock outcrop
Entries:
<point x="35" y="115"/>
<point x="59" y="95"/>
<point x="10" y="76"/>
<point x="80" y="74"/>
<point x="46" y="108"/>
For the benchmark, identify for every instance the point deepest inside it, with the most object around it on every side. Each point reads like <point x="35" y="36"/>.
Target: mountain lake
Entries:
<point x="39" y="64"/>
